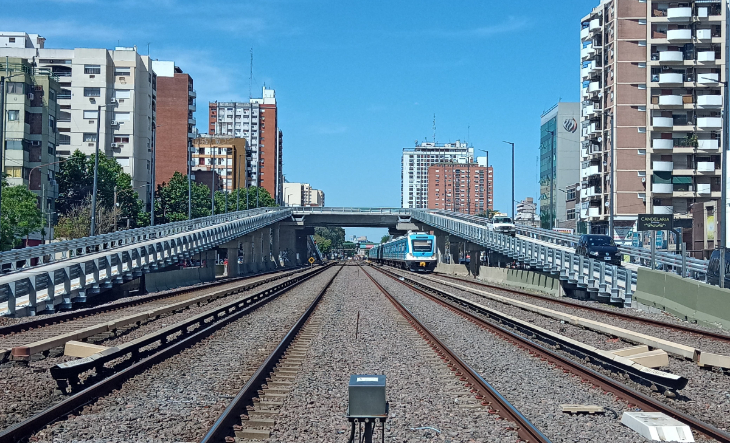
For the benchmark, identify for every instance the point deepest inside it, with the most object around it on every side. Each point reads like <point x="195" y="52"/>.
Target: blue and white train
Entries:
<point x="415" y="251"/>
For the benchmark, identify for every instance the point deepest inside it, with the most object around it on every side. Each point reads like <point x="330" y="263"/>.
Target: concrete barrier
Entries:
<point x="452" y="269"/>
<point x="687" y="299"/>
<point x="163" y="281"/>
<point x="528" y="281"/>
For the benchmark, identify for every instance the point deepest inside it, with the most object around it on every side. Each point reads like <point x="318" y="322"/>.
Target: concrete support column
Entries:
<point x="287" y="244"/>
<point x="233" y="268"/>
<point x="440" y="245"/>
<point x="275" y="246"/>
<point x="301" y="247"/>
<point x="454" y="250"/>
<point x="258" y="251"/>
<point x="246" y="248"/>
<point x="475" y="251"/>
<point x="266" y="237"/>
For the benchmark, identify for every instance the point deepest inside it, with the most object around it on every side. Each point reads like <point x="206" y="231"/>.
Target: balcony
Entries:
<point x="662" y="143"/>
<point x="63" y="97"/>
<point x="594" y="212"/>
<point x="679" y="14"/>
<point x="709" y="122"/>
<point x="670" y="100"/>
<point x="591" y="170"/>
<point x="587" y="110"/>
<point x="671" y="56"/>
<point x="662" y="188"/>
<point x="709" y="101"/>
<point x="192" y="93"/>
<point x="707" y="77"/>
<point x="705" y="166"/>
<point x="595" y="128"/>
<point x="679" y="34"/>
<point x="587" y="52"/>
<point x="706" y="56"/>
<point x="704" y="34"/>
<point x="584" y="33"/>
<point x="669" y="77"/>
<point x="595" y="25"/>
<point x="662" y="122"/>
<point x="662" y="166"/>
<point x="708" y="144"/>
<point x="192" y="108"/>
<point x="191" y="121"/>
<point x="704" y="188"/>
<point x="663" y="210"/>
<point x="594" y="86"/>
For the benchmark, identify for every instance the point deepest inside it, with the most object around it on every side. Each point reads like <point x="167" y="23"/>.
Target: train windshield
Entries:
<point x="422" y="245"/>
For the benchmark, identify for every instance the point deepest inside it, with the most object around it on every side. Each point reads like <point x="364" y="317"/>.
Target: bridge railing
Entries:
<point x="693" y="267"/>
<point x="608" y="281"/>
<point x="344" y="210"/>
<point x="21" y="259"/>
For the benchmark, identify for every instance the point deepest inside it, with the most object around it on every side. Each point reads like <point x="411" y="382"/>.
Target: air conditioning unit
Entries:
<point x="113" y="100"/>
<point x="30" y="96"/>
<point x="115" y="145"/>
<point x="115" y="123"/>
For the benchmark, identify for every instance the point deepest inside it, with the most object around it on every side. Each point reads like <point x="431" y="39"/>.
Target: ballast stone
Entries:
<point x="657" y="426"/>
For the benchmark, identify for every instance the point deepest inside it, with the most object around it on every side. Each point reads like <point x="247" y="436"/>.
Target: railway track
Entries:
<point x="21" y="341"/>
<point x="486" y="320"/>
<point x="104" y="372"/>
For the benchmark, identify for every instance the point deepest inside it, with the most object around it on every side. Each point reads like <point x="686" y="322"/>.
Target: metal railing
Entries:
<point x="609" y="281"/>
<point x="345" y="210"/>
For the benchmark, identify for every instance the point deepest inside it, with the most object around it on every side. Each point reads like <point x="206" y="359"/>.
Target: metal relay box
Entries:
<point x="367" y="396"/>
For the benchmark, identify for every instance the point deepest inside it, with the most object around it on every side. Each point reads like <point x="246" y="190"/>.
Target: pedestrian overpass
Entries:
<point x="56" y="275"/>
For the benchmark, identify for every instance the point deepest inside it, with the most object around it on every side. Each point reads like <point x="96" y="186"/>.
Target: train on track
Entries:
<point x="415" y="251"/>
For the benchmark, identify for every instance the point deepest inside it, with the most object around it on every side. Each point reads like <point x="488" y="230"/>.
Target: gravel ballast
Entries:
<point x="534" y="387"/>
<point x="422" y="392"/>
<point x="178" y="399"/>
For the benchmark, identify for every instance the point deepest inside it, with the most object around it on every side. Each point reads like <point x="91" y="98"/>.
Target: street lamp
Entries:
<point x="152" y="190"/>
<point x="513" y="178"/>
<point x="92" y="231"/>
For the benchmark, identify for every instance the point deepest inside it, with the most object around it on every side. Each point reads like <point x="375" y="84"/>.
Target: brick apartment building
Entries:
<point x="175" y="122"/>
<point x="460" y="187"/>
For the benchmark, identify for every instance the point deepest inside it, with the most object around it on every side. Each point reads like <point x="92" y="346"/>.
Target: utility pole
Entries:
<point x="96" y="172"/>
<point x="610" y="182"/>
<point x="2" y="126"/>
<point x="115" y="208"/>
<point x="212" y="186"/>
<point x="190" y="182"/>
<point x="238" y="180"/>
<point x="513" y="179"/>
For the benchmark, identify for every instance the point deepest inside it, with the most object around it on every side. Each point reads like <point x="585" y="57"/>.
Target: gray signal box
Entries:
<point x="367" y="396"/>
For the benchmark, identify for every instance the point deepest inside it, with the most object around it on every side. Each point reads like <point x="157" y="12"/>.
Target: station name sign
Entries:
<point x="655" y="222"/>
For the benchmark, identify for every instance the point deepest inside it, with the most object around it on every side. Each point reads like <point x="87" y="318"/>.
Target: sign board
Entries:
<point x="311" y="260"/>
<point x="655" y="222"/>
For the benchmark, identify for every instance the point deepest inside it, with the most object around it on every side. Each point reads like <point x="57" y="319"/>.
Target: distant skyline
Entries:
<point x="356" y="82"/>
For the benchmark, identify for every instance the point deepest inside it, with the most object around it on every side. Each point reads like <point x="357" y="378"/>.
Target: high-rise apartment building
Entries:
<point x="117" y="87"/>
<point x="459" y="187"/>
<point x="30" y="133"/>
<point x="175" y="120"/>
<point x="652" y="78"/>
<point x="302" y="194"/>
<point x="414" y="168"/>
<point x="559" y="153"/>
<point x="256" y="121"/>
<point x="226" y="156"/>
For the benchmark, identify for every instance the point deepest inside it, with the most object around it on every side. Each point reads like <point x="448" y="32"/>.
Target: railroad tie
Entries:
<point x="256" y="425"/>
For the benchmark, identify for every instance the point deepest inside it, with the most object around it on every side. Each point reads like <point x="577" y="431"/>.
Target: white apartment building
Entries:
<point x="414" y="168"/>
<point x="115" y="88"/>
<point x="652" y="97"/>
<point x="302" y="194"/>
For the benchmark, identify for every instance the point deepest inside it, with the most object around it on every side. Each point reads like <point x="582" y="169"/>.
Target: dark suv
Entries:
<point x="598" y="247"/>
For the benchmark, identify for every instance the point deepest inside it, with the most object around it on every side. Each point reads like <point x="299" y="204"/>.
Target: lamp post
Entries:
<point x="92" y="231"/>
<point x="152" y="190"/>
<point x="513" y="178"/>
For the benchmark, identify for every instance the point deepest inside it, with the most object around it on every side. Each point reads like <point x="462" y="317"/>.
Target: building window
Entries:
<point x="642" y="65"/>
<point x="92" y="69"/>
<point x="122" y="93"/>
<point x="15" y="87"/>
<point x="91" y="114"/>
<point x="570" y="213"/>
<point x="642" y="108"/>
<point x="642" y="21"/>
<point x="51" y="123"/>
<point x="121" y="139"/>
<point x="570" y="195"/>
<point x="11" y="39"/>
<point x="642" y="85"/>
<point x="642" y="42"/>
<point x="121" y="116"/>
<point x="92" y="92"/>
<point x="642" y="151"/>
<point x="13" y="115"/>
<point x="122" y="72"/>
<point x="642" y="129"/>
<point x="14" y="171"/>
<point x="89" y="137"/>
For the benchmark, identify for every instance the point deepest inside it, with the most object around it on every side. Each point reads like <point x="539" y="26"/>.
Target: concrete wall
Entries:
<point x="162" y="281"/>
<point x="688" y="299"/>
<point x="528" y="281"/>
<point x="452" y="269"/>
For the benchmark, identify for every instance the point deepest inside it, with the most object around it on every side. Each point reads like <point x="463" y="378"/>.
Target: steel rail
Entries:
<point x="682" y="328"/>
<point x="47" y="320"/>
<point x="26" y="428"/>
<point x="606" y="383"/>
<point x="483" y="391"/>
<point x="231" y="416"/>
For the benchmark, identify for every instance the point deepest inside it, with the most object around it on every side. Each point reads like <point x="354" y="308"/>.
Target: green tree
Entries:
<point x="20" y="215"/>
<point x="76" y="183"/>
<point x="335" y="235"/>
<point x="384" y="239"/>
<point x="76" y="222"/>
<point x="324" y="244"/>
<point x="257" y="198"/>
<point x="171" y="200"/>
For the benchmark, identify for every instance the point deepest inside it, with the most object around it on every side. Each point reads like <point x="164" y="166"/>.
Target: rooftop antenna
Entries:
<point x="250" y="76"/>
<point x="148" y="49"/>
<point x="434" y="128"/>
<point x="468" y="135"/>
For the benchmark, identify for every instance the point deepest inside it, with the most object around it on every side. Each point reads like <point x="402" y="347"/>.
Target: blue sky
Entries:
<point x="355" y="81"/>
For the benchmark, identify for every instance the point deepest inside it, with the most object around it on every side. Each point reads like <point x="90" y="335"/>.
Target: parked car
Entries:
<point x="713" y="268"/>
<point x="598" y="247"/>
